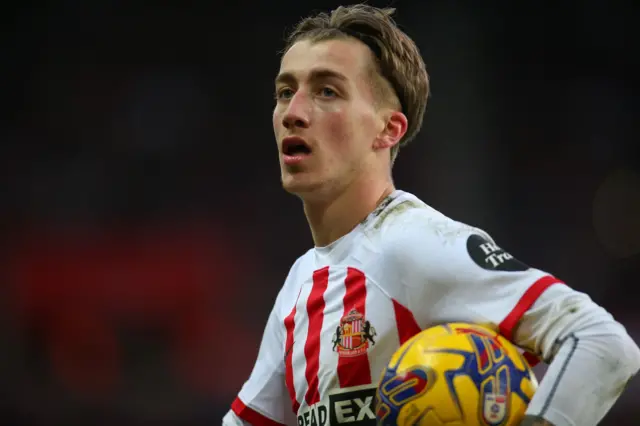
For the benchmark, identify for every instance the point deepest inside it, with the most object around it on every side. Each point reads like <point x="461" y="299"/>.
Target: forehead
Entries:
<point x="348" y="57"/>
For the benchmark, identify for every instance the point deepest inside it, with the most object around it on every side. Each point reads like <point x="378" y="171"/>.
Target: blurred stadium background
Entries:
<point x="144" y="231"/>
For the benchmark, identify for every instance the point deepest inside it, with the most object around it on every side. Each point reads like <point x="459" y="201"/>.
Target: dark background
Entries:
<point x="144" y="231"/>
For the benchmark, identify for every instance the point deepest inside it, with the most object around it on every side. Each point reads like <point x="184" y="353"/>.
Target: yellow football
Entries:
<point x="455" y="374"/>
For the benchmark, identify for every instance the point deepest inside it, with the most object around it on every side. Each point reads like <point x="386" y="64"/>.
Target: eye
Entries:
<point x="328" y="92"/>
<point x="284" y="93"/>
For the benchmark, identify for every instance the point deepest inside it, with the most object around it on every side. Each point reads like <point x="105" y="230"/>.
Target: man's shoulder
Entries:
<point x="430" y="243"/>
<point x="301" y="265"/>
<point x="415" y="223"/>
<point x="291" y="286"/>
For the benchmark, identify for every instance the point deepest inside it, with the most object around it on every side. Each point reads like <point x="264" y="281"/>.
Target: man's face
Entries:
<point x="325" y="119"/>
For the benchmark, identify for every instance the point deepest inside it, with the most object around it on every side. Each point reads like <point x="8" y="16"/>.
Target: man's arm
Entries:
<point x="463" y="275"/>
<point x="591" y="357"/>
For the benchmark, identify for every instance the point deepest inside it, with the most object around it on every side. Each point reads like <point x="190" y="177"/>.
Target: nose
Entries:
<point x="297" y="113"/>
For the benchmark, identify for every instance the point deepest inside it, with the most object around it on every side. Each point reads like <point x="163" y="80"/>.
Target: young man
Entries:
<point x="351" y="89"/>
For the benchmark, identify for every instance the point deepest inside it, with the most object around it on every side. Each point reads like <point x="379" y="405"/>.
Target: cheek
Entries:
<point x="341" y="132"/>
<point x="368" y="125"/>
<point x="276" y="120"/>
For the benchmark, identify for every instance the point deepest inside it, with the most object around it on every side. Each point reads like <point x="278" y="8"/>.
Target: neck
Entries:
<point x="332" y="219"/>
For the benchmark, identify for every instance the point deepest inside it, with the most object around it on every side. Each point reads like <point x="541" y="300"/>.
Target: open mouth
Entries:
<point x="294" y="146"/>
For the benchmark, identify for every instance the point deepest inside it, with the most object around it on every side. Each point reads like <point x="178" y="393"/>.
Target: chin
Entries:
<point x="296" y="186"/>
<point x="301" y="185"/>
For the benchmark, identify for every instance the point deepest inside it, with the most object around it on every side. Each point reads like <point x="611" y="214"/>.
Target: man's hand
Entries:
<point x="535" y="421"/>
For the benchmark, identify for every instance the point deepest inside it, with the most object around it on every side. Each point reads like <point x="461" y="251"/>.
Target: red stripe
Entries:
<point x="249" y="415"/>
<point x="405" y="322"/>
<point x="510" y="322"/>
<point x="289" y="325"/>
<point x="354" y="371"/>
<point x="508" y="325"/>
<point x="315" y="313"/>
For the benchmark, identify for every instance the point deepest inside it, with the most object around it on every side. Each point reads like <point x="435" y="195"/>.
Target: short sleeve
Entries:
<point x="263" y="397"/>
<point x="451" y="272"/>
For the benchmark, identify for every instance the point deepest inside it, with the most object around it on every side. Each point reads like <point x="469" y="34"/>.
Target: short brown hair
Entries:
<point x="399" y="61"/>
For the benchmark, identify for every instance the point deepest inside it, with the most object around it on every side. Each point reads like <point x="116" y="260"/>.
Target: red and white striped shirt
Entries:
<point x="345" y="309"/>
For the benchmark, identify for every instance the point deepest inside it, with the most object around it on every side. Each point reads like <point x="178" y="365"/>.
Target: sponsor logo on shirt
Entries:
<point x="489" y="256"/>
<point x="353" y="406"/>
<point x="354" y="335"/>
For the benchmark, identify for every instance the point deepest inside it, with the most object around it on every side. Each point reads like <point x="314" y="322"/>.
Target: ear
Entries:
<point x="395" y="128"/>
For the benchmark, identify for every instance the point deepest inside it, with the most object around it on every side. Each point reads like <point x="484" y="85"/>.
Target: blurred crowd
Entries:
<point x="145" y="231"/>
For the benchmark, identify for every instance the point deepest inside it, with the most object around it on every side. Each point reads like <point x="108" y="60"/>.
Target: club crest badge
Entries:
<point x="354" y="335"/>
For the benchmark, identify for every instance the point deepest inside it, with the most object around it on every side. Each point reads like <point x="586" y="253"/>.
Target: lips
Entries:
<point x="295" y="146"/>
<point x="295" y="150"/>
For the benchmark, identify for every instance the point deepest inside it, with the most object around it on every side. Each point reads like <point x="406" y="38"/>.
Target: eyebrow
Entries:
<point x="317" y="74"/>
